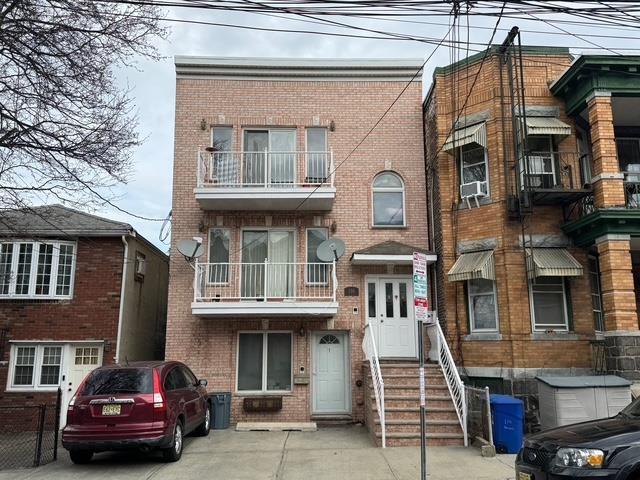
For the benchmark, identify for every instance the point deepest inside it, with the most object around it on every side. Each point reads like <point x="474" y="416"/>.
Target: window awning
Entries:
<point x="470" y="266"/>
<point x="547" y="126"/>
<point x="465" y="136"/>
<point x="552" y="262"/>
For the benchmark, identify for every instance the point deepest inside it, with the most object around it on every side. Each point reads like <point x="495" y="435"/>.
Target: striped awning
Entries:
<point x="552" y="262"/>
<point x="464" y="136"/>
<point x="547" y="126"/>
<point x="470" y="266"/>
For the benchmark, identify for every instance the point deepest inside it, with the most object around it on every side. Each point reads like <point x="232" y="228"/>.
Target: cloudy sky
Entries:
<point x="148" y="191"/>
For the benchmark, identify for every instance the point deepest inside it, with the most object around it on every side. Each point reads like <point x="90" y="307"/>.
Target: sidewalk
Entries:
<point x="335" y="453"/>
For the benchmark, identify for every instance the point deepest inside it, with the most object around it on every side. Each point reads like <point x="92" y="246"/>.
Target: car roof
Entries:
<point x="142" y="364"/>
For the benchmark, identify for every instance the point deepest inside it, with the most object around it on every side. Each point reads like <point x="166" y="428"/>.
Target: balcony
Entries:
<point x="265" y="289"/>
<point x="265" y="180"/>
<point x="556" y="178"/>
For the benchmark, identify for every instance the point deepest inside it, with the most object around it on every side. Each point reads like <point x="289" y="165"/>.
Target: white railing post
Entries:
<point x="371" y="353"/>
<point x="196" y="274"/>
<point x="334" y="280"/>
<point x="330" y="172"/>
<point x="266" y="279"/>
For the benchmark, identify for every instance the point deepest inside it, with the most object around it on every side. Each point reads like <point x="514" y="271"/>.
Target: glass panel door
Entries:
<point x="282" y="157"/>
<point x="281" y="269"/>
<point x="256" y="143"/>
<point x="254" y="254"/>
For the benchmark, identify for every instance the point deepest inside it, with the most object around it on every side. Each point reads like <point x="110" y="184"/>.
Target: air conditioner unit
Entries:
<point x="473" y="191"/>
<point x="141" y="266"/>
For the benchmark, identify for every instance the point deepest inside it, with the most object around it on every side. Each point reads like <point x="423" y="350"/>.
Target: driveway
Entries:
<point x="332" y="453"/>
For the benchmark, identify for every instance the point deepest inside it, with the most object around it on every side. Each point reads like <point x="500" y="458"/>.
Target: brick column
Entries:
<point x="608" y="187"/>
<point x="622" y="336"/>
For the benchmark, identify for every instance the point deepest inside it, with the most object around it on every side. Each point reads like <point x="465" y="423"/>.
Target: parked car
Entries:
<point x="141" y="405"/>
<point x="605" y="449"/>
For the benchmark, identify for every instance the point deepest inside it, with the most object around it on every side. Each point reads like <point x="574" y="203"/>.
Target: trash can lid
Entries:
<point x="504" y="400"/>
<point x="585" y="381"/>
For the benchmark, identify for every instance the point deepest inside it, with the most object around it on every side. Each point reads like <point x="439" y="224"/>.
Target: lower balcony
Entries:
<point x="265" y="289"/>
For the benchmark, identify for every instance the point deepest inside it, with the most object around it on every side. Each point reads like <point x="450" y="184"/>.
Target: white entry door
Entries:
<point x="79" y="360"/>
<point x="390" y="312"/>
<point x="330" y="373"/>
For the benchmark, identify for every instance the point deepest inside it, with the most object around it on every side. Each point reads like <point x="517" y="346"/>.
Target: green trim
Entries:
<point x="618" y="75"/>
<point x="587" y="229"/>
<point x="493" y="50"/>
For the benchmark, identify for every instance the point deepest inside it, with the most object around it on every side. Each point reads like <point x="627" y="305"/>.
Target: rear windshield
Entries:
<point x="124" y="380"/>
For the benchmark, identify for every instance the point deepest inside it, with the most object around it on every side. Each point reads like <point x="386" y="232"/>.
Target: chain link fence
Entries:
<point x="479" y="414"/>
<point x="29" y="434"/>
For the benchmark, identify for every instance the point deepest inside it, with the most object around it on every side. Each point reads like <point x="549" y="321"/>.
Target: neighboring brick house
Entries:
<point x="256" y="145"/>
<point x="76" y="291"/>
<point x="537" y="240"/>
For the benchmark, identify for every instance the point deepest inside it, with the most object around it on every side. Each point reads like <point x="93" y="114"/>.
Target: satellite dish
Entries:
<point x="330" y="250"/>
<point x="190" y="249"/>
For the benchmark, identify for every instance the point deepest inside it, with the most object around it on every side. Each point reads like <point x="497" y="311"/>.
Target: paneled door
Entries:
<point x="390" y="312"/>
<point x="330" y="373"/>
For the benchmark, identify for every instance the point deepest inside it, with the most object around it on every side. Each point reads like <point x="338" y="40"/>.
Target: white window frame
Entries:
<point x="36" y="379"/>
<point x="263" y="391"/>
<point x="472" y="313"/>
<point x="326" y="149"/>
<point x="543" y="328"/>
<point x="53" y="284"/>
<point x="306" y="256"/>
<point x="486" y="168"/>
<point x="226" y="127"/>
<point x="228" y="230"/>
<point x="375" y="190"/>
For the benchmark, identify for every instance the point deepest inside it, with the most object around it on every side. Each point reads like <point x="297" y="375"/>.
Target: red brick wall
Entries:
<point x="92" y="313"/>
<point x="207" y="344"/>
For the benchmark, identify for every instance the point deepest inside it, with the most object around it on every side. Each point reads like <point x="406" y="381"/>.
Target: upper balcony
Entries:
<point x="265" y="180"/>
<point x="264" y="289"/>
<point x="555" y="178"/>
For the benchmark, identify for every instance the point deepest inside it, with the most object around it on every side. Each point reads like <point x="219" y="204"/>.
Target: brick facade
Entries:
<point x="92" y="313"/>
<point x="209" y="345"/>
<point x="515" y="349"/>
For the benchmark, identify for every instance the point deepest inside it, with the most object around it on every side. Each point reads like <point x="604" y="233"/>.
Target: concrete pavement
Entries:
<point x="334" y="453"/>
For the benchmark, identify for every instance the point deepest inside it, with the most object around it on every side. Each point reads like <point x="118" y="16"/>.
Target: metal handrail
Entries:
<point x="371" y="353"/>
<point x="454" y="382"/>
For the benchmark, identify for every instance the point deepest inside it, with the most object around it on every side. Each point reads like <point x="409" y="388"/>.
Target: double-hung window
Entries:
<point x="37" y="269"/>
<point x="483" y="309"/>
<point x="473" y="168"/>
<point x="317" y="271"/>
<point x="542" y="167"/>
<point x="596" y="294"/>
<point x="218" y="256"/>
<point x="549" y="304"/>
<point x="388" y="200"/>
<point x="264" y="362"/>
<point x="35" y="367"/>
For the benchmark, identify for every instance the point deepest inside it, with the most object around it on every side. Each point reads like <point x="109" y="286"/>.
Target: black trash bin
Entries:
<point x="220" y="410"/>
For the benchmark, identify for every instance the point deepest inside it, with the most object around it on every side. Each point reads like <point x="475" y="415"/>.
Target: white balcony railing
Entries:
<point x="266" y="281"/>
<point x="265" y="169"/>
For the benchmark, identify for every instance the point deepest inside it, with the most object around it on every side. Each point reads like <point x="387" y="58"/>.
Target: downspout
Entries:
<point x="122" y="292"/>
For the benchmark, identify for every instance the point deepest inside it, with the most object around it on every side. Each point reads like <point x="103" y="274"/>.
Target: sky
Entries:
<point x="152" y="83"/>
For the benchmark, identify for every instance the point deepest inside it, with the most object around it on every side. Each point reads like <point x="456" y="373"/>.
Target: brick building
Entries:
<point x="534" y="180"/>
<point x="265" y="170"/>
<point x="76" y="291"/>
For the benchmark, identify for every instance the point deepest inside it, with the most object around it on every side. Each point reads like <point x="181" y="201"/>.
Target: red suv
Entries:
<point x="144" y="405"/>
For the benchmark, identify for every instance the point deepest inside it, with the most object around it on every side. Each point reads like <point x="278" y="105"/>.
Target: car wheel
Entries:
<point x="80" y="456"/>
<point x="174" y="452"/>
<point x="205" y="426"/>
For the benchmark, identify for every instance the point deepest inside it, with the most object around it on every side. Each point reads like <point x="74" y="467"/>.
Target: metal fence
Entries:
<point x="29" y="434"/>
<point x="478" y="414"/>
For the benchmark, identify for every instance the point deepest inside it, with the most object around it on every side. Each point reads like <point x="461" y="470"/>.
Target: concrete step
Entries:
<point x="331" y="420"/>
<point x="410" y="381"/>
<point x="413" y="414"/>
<point x="413" y="426"/>
<point x="430" y="390"/>
<point x="413" y="401"/>
<point x="398" y="439"/>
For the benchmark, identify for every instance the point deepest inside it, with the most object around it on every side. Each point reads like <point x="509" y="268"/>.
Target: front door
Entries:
<point x="79" y="361"/>
<point x="390" y="313"/>
<point x="330" y="373"/>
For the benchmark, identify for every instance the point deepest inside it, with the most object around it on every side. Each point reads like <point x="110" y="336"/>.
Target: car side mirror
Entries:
<point x="202" y="382"/>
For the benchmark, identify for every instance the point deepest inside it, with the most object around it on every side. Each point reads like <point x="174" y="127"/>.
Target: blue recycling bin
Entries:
<point x="507" y="422"/>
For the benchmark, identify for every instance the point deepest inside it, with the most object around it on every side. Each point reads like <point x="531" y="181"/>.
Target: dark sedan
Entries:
<point x="604" y="449"/>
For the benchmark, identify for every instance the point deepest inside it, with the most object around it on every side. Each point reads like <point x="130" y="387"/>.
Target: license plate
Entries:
<point x="114" y="409"/>
<point x="524" y="476"/>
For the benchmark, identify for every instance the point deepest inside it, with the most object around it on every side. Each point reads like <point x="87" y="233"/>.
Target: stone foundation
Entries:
<point x="622" y="354"/>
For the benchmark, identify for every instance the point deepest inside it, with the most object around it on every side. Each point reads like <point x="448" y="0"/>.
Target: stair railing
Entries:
<point x="454" y="382"/>
<point x="371" y="353"/>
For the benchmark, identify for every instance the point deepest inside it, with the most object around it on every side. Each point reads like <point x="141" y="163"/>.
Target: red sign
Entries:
<point x="421" y="302"/>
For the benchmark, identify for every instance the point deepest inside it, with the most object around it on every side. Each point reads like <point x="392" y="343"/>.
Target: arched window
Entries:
<point x="388" y="200"/>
